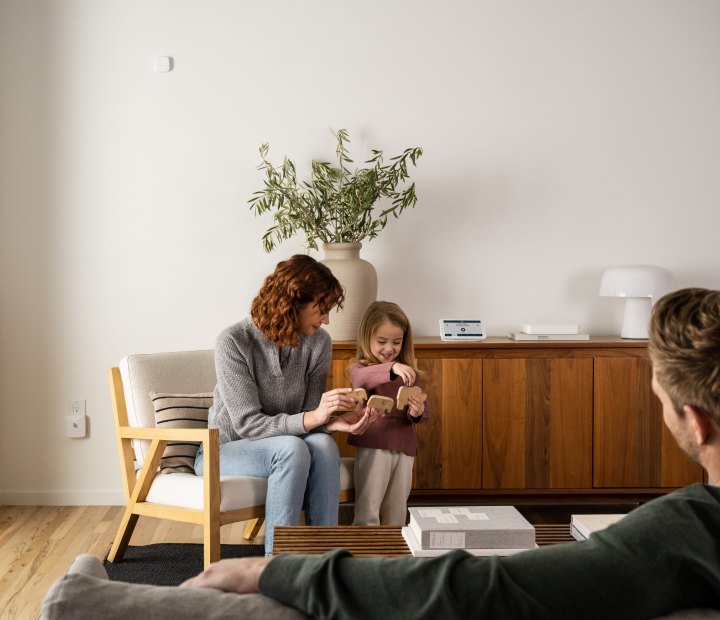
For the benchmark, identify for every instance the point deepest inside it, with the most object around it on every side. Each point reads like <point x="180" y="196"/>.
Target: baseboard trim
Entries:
<point x="62" y="498"/>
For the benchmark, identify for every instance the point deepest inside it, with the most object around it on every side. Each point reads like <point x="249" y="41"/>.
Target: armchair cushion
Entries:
<point x="180" y="411"/>
<point x="236" y="492"/>
<point x="183" y="372"/>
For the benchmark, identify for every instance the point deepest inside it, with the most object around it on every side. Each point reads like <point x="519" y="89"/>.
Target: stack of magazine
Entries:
<point x="479" y="530"/>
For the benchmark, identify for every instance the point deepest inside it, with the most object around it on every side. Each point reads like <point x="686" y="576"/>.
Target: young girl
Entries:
<point x="385" y="453"/>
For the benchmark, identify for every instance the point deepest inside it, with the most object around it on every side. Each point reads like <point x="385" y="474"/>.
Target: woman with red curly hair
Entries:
<point x="270" y="405"/>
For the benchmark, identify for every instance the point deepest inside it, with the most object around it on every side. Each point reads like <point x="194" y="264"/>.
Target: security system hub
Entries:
<point x="462" y="330"/>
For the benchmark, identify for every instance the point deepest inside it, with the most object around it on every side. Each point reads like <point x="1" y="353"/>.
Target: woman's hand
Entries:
<point x="335" y="400"/>
<point x="354" y="422"/>
<point x="240" y="575"/>
<point x="407" y="373"/>
<point x="415" y="406"/>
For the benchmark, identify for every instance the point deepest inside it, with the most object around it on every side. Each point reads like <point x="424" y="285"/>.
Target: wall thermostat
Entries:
<point x="458" y="330"/>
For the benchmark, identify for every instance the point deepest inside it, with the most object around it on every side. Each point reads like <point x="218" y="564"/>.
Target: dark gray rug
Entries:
<point x="169" y="564"/>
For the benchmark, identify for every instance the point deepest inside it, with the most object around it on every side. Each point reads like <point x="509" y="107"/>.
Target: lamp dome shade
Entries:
<point x="637" y="281"/>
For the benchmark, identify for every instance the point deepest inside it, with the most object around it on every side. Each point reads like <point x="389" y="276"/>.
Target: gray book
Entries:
<point x="471" y="527"/>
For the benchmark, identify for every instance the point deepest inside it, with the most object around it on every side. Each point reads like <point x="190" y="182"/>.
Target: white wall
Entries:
<point x="561" y="138"/>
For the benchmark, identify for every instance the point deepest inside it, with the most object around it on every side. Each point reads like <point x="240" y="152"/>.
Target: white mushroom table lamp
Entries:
<point x="638" y="283"/>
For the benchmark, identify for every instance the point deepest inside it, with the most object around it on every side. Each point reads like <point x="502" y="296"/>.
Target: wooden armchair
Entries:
<point x="210" y="500"/>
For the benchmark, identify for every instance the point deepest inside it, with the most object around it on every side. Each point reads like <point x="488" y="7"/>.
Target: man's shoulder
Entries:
<point x="698" y="491"/>
<point x="681" y="509"/>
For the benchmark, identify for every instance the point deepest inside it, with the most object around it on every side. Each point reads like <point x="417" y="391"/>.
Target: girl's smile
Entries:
<point x="386" y="342"/>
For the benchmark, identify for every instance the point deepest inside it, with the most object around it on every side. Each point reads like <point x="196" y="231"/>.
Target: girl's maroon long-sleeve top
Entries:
<point x="396" y="430"/>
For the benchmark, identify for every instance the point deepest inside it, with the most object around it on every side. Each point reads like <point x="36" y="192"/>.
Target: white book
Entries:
<point x="471" y="527"/>
<point x="581" y="526"/>
<point x="419" y="552"/>
<point x="537" y="328"/>
<point x="523" y="336"/>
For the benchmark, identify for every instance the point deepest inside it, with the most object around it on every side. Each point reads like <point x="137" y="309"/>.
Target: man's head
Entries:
<point x="685" y="352"/>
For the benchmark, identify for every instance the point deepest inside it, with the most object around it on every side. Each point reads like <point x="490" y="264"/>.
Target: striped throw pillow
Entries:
<point x="180" y="411"/>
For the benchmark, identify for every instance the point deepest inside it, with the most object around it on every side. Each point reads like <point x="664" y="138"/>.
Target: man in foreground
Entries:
<point x="662" y="557"/>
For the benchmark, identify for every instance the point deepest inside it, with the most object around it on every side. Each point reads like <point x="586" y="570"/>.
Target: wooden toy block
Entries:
<point x="382" y="403"/>
<point x="358" y="395"/>
<point x="405" y="392"/>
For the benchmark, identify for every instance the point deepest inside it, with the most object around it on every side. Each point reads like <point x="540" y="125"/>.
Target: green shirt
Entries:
<point x="662" y="557"/>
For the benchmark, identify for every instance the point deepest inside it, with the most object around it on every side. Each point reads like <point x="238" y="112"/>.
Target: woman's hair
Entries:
<point x="684" y="347"/>
<point x="377" y="314"/>
<point x="296" y="282"/>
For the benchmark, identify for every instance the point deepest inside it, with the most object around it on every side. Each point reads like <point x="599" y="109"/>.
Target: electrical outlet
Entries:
<point x="76" y="407"/>
<point x="76" y="420"/>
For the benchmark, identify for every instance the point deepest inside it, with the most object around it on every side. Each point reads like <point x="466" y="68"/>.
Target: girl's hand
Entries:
<point x="354" y="422"/>
<point x="415" y="406"/>
<point x="335" y="400"/>
<point x="407" y="373"/>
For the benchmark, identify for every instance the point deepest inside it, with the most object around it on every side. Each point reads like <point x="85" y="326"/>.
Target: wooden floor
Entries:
<point x="38" y="543"/>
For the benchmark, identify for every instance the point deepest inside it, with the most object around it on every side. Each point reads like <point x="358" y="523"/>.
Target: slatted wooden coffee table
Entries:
<point x="378" y="540"/>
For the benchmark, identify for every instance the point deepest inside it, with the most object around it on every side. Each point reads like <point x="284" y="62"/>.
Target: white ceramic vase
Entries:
<point x="359" y="279"/>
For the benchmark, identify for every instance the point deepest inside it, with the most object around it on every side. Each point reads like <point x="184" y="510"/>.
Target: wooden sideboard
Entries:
<point x="556" y="421"/>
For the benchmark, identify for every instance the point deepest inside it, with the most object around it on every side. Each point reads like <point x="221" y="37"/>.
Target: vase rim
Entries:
<point x="348" y="246"/>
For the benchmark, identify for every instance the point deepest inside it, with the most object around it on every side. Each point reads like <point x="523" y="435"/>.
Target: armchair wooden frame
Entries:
<point x="137" y="488"/>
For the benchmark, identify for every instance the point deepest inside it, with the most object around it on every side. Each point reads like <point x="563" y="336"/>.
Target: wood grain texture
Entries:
<point x="545" y="433"/>
<point x="361" y="541"/>
<point x="252" y="528"/>
<point x="427" y="469"/>
<point x="632" y="447"/>
<point x="504" y="424"/>
<point x="450" y="442"/>
<point x="125" y="449"/>
<point x="38" y="543"/>
<point x="571" y="430"/>
<point x="211" y="497"/>
<point x="462" y="424"/>
<point x="537" y="424"/>
<point x="42" y="543"/>
<point x="371" y="541"/>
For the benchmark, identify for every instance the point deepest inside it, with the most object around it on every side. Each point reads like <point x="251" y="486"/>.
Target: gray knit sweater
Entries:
<point x="259" y="395"/>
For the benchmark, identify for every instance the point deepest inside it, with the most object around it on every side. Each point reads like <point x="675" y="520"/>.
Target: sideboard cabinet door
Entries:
<point x="633" y="447"/>
<point x="537" y="423"/>
<point x="450" y="442"/>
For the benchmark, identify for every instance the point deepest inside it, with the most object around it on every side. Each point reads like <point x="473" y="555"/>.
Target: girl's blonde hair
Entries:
<point x="380" y="312"/>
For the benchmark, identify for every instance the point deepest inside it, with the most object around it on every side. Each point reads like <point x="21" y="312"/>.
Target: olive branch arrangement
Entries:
<point x="336" y="206"/>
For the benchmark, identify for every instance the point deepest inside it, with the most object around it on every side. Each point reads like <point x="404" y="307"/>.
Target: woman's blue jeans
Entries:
<point x="302" y="472"/>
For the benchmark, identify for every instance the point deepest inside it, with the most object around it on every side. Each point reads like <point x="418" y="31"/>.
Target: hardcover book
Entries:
<point x="471" y="527"/>
<point x="581" y="526"/>
<point x="419" y="552"/>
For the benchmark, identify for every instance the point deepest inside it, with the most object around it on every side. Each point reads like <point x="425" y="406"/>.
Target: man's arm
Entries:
<point x="661" y="558"/>
<point x="650" y="564"/>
